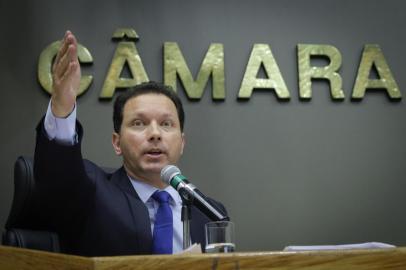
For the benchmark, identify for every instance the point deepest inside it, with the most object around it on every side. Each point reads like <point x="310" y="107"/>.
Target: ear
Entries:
<point x="183" y="143"/>
<point x="116" y="143"/>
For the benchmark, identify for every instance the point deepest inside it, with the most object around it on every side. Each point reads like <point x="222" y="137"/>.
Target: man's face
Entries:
<point x="150" y="136"/>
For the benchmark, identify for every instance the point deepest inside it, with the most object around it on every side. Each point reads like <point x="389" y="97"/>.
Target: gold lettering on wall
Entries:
<point x="307" y="72"/>
<point x="213" y="64"/>
<point x="261" y="54"/>
<point x="126" y="53"/>
<point x="45" y="65"/>
<point x="126" y="56"/>
<point x="373" y="56"/>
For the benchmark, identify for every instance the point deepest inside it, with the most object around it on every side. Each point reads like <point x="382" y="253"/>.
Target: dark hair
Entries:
<point x="142" y="89"/>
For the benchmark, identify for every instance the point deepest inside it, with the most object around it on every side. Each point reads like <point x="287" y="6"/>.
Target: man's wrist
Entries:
<point x="62" y="129"/>
<point x="61" y="111"/>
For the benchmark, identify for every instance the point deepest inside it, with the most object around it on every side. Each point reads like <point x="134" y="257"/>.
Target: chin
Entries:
<point x="155" y="168"/>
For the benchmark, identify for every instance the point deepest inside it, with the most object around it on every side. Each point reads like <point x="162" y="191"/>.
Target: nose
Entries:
<point x="154" y="132"/>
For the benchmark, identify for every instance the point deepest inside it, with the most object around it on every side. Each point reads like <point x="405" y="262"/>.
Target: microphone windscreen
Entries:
<point x="168" y="172"/>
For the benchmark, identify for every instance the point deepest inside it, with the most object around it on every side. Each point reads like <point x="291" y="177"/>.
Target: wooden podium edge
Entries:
<point x="393" y="258"/>
<point x="19" y="258"/>
<point x="373" y="259"/>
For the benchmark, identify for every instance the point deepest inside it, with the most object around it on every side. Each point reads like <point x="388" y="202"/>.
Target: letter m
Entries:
<point x="213" y="64"/>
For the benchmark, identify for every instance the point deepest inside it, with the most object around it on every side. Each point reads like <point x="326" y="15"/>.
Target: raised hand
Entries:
<point x="66" y="77"/>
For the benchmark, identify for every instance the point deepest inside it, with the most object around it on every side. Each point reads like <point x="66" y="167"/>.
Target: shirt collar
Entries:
<point x="145" y="191"/>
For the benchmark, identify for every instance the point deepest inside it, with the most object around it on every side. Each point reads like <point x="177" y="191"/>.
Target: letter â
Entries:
<point x="126" y="52"/>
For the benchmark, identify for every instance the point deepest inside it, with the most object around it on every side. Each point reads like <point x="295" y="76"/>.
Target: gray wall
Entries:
<point x="318" y="172"/>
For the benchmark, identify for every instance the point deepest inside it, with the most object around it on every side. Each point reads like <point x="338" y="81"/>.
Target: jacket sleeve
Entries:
<point x="63" y="190"/>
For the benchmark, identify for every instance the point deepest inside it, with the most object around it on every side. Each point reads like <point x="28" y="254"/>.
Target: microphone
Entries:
<point x="171" y="175"/>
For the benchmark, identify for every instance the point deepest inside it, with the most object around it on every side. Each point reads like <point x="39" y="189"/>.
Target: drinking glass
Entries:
<point x="219" y="237"/>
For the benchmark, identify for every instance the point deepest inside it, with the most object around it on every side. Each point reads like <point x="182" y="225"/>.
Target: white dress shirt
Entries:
<point x="145" y="192"/>
<point x="63" y="130"/>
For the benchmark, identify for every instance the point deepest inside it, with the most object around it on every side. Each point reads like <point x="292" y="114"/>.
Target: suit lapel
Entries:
<point x="139" y="212"/>
<point x="120" y="178"/>
<point x="140" y="216"/>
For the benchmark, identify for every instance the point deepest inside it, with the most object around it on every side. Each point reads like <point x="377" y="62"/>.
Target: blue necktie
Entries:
<point x="163" y="228"/>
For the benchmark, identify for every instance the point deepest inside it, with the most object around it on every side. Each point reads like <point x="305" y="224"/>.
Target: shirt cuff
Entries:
<point x="63" y="130"/>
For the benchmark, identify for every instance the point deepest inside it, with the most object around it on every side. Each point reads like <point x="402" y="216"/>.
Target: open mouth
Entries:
<point x="154" y="152"/>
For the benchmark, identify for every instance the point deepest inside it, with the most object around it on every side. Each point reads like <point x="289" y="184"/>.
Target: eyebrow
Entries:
<point x="144" y="115"/>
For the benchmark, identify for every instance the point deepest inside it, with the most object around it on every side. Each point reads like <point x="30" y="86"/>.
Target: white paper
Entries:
<point x="193" y="249"/>
<point x="369" y="245"/>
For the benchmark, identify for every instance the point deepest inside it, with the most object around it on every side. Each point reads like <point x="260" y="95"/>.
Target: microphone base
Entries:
<point x="186" y="217"/>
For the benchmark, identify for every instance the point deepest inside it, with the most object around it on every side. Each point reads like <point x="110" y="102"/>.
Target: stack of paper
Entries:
<point x="369" y="245"/>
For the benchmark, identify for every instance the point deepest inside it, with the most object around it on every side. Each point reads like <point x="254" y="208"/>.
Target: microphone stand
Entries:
<point x="186" y="216"/>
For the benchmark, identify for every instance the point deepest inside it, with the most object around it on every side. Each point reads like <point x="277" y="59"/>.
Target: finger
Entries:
<point x="61" y="80"/>
<point x="70" y="70"/>
<point x="62" y="49"/>
<point x="73" y="52"/>
<point x="70" y="54"/>
<point x="63" y="70"/>
<point x="68" y="39"/>
<point x="61" y="65"/>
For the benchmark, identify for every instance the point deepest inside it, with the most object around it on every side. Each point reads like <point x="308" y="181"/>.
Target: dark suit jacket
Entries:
<point x="94" y="213"/>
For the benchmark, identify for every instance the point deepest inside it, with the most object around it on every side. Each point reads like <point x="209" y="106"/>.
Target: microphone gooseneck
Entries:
<point x="171" y="175"/>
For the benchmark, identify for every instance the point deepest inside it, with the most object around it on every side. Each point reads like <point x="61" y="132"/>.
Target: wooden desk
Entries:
<point x="24" y="259"/>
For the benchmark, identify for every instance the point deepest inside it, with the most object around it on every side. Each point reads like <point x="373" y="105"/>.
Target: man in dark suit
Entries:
<point x="102" y="214"/>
